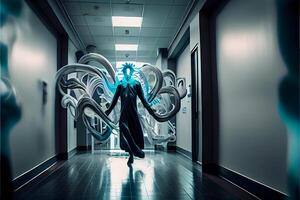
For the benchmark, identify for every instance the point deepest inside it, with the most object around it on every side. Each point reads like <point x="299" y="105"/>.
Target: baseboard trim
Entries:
<point x="31" y="174"/>
<point x="171" y="148"/>
<point x="184" y="152"/>
<point x="253" y="187"/>
<point x="72" y="153"/>
<point x="83" y="148"/>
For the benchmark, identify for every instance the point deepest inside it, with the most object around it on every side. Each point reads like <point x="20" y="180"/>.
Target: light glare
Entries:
<point x="127" y="21"/>
<point x="126" y="47"/>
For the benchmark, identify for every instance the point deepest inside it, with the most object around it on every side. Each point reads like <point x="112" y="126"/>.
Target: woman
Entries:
<point x="131" y="134"/>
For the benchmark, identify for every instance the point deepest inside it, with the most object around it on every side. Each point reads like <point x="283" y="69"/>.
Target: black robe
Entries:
<point x="131" y="134"/>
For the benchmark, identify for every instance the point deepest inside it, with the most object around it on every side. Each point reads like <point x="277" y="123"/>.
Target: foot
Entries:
<point x="140" y="154"/>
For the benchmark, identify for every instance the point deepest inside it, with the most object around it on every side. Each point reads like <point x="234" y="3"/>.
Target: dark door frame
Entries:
<point x="209" y="82"/>
<point x="195" y="102"/>
<point x="45" y="13"/>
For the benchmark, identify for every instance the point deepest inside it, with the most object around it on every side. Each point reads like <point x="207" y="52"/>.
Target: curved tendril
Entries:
<point x="92" y="81"/>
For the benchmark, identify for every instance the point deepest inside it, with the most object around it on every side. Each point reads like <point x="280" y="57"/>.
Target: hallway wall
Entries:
<point x="195" y="42"/>
<point x="183" y="118"/>
<point x="161" y="63"/>
<point x="72" y="137"/>
<point x="252" y="139"/>
<point x="33" y="59"/>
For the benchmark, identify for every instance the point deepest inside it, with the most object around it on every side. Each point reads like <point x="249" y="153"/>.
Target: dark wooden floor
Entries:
<point x="160" y="175"/>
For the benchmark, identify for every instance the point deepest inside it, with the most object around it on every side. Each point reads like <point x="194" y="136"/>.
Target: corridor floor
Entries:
<point x="105" y="175"/>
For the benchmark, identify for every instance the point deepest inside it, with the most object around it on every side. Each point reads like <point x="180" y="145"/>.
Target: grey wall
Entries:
<point x="252" y="137"/>
<point x="191" y="16"/>
<point x="72" y="138"/>
<point x="183" y="120"/>
<point x="32" y="60"/>
<point x="195" y="43"/>
<point x="162" y="64"/>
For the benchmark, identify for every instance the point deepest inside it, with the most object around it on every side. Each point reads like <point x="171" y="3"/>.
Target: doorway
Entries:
<point x="195" y="104"/>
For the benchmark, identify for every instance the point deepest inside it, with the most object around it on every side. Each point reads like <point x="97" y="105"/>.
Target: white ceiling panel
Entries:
<point x="172" y="23"/>
<point x="181" y="2"/>
<point x="108" y="53"/>
<point x="156" y="11"/>
<point x="101" y="30"/>
<point x="175" y="12"/>
<point x="87" y="39"/>
<point x="73" y="8"/>
<point x="151" y="47"/>
<point x="122" y="58"/>
<point x="98" y="20"/>
<point x="163" y="42"/>
<point x="93" y="22"/>
<point x="78" y="20"/>
<point x="104" y="39"/>
<point x="83" y="30"/>
<point x="151" y="22"/>
<point x="150" y="60"/>
<point x="126" y="40"/>
<point x="129" y="10"/>
<point x="131" y="1"/>
<point x="159" y="2"/>
<point x="120" y="31"/>
<point x="102" y="46"/>
<point x="125" y="54"/>
<point x="147" y="40"/>
<point x="150" y="32"/>
<point x="87" y="1"/>
<point x="167" y="32"/>
<point x="146" y="53"/>
<point x="96" y="9"/>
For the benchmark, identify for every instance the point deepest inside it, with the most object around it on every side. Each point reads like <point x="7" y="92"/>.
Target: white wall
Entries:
<point x="252" y="137"/>
<point x="72" y="138"/>
<point x="183" y="120"/>
<point x="32" y="59"/>
<point x="195" y="43"/>
<point x="161" y="63"/>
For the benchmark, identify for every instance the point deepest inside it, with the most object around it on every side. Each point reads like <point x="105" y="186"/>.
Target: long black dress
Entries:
<point x="131" y="134"/>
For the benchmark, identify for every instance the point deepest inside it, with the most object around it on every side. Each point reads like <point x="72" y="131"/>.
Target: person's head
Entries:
<point x="128" y="71"/>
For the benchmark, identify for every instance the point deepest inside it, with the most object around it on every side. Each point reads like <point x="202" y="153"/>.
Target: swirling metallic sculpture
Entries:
<point x="94" y="91"/>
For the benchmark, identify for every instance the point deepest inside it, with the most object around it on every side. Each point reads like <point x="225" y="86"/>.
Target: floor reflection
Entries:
<point x="106" y="176"/>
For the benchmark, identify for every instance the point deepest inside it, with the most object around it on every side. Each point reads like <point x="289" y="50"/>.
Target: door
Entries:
<point x="195" y="104"/>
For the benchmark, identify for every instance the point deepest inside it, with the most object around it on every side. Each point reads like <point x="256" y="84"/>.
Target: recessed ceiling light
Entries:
<point x="126" y="47"/>
<point x="119" y="64"/>
<point x="127" y="21"/>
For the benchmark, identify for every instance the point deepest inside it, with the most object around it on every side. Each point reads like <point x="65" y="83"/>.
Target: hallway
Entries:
<point x="105" y="175"/>
<point x="209" y="89"/>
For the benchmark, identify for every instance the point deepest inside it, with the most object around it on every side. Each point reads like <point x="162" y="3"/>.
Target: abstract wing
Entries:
<point x="81" y="84"/>
<point x="88" y="88"/>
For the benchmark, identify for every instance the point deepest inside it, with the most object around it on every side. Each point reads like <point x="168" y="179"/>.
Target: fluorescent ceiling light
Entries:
<point x="127" y="21"/>
<point x="119" y="64"/>
<point x="126" y="47"/>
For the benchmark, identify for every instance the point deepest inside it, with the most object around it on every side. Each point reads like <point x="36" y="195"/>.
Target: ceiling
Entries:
<point x="93" y="21"/>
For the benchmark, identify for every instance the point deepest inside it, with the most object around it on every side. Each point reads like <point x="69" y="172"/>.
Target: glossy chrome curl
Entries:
<point x="81" y="111"/>
<point x="169" y="77"/>
<point x="100" y="59"/>
<point x="146" y="68"/>
<point x="175" y="107"/>
<point x="90" y="82"/>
